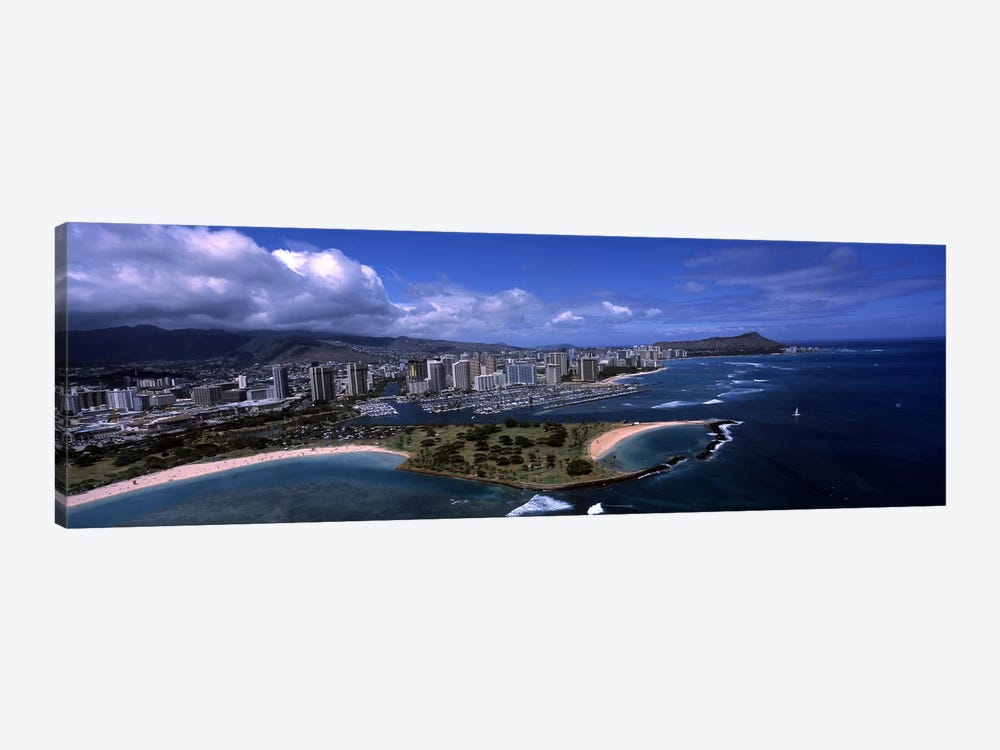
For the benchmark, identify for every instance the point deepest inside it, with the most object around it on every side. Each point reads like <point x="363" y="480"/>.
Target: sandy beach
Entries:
<point x="626" y="376"/>
<point x="188" y="471"/>
<point x="603" y="444"/>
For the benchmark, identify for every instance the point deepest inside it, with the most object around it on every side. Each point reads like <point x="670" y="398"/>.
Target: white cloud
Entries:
<point x="653" y="312"/>
<point x="195" y="276"/>
<point x="448" y="310"/>
<point x="565" y="318"/>
<point x="617" y="312"/>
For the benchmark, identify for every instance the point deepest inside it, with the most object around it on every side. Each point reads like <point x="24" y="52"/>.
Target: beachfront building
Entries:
<point x="357" y="379"/>
<point x="588" y="369"/>
<point x="322" y="381"/>
<point x="279" y="374"/>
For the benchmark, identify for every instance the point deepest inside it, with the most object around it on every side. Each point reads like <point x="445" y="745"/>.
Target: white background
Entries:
<point x="843" y="628"/>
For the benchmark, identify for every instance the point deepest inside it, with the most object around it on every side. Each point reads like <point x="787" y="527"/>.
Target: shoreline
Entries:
<point x="188" y="471"/>
<point x="604" y="444"/>
<point x="617" y="378"/>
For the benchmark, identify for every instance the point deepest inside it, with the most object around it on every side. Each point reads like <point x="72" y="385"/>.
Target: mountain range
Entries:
<point x="148" y="344"/>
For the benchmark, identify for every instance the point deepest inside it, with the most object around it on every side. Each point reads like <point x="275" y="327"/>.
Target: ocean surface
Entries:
<point x="870" y="432"/>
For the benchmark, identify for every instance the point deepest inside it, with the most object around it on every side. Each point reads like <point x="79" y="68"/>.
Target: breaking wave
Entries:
<point x="712" y="401"/>
<point x="540" y="504"/>
<point x="742" y="392"/>
<point x="675" y="404"/>
<point x="595" y="510"/>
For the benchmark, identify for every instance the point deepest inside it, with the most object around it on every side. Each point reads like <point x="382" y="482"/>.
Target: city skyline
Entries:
<point x="525" y="290"/>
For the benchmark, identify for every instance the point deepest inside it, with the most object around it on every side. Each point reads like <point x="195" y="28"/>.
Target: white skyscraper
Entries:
<point x="485" y="383"/>
<point x="521" y="373"/>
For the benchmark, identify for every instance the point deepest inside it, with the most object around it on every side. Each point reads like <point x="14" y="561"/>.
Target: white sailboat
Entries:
<point x="796" y="414"/>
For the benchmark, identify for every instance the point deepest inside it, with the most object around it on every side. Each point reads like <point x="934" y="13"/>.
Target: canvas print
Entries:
<point x="218" y="375"/>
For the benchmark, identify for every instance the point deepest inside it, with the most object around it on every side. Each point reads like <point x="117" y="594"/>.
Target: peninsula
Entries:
<point x="536" y="455"/>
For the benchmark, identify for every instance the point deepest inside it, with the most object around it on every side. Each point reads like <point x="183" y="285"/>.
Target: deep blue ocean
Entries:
<point x="871" y="432"/>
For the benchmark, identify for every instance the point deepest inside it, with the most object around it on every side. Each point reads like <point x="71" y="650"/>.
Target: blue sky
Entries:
<point x="519" y="289"/>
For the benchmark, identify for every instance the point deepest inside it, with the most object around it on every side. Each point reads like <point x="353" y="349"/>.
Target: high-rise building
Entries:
<point x="92" y="399"/>
<point x="588" y="369"/>
<point x="462" y="375"/>
<point x="241" y="381"/>
<point x="436" y="375"/>
<point x="449" y="374"/>
<point x="485" y="383"/>
<point x="553" y="374"/>
<point x="416" y="369"/>
<point x="207" y="395"/>
<point x="357" y="379"/>
<point x="321" y="383"/>
<point x="491" y="364"/>
<point x="521" y="373"/>
<point x="558" y="358"/>
<point x="123" y="399"/>
<point x="159" y="400"/>
<point x="279" y="373"/>
<point x="70" y="403"/>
